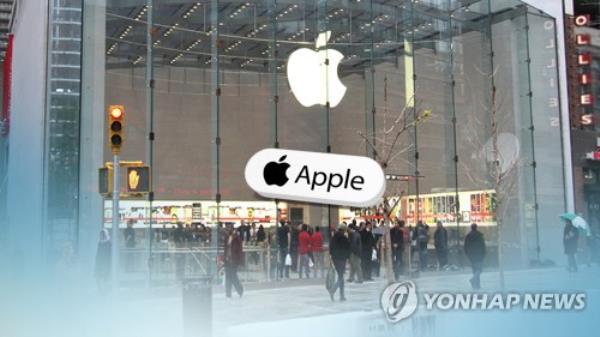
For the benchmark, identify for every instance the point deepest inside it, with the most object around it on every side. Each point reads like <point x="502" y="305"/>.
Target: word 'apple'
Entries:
<point x="330" y="180"/>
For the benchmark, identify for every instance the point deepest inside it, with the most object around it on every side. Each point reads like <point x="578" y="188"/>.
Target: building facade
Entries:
<point x="206" y="84"/>
<point x="583" y="41"/>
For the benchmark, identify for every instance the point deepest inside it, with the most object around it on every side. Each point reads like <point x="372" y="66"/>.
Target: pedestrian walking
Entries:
<point x="422" y="238"/>
<point x="261" y="235"/>
<point x="294" y="236"/>
<point x="316" y="246"/>
<point x="570" y="238"/>
<point x="102" y="269"/>
<point x="233" y="258"/>
<point x="311" y="231"/>
<point x="339" y="249"/>
<point x="475" y="251"/>
<point x="378" y="233"/>
<point x="129" y="236"/>
<point x="244" y="231"/>
<point x="303" y="251"/>
<point x="253" y="233"/>
<point x="355" y="254"/>
<point x="179" y="239"/>
<point x="397" y="239"/>
<point x="440" y="242"/>
<point x="368" y="243"/>
<point x="283" y="243"/>
<point x="164" y="235"/>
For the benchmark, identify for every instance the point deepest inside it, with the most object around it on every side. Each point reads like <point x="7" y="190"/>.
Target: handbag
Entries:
<point x="288" y="260"/>
<point x="331" y="280"/>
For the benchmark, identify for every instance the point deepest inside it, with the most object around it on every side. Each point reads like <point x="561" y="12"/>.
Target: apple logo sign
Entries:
<point x="316" y="177"/>
<point x="313" y="76"/>
<point x="274" y="172"/>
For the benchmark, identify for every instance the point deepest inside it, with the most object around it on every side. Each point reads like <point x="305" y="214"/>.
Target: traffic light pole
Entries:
<point x="115" y="224"/>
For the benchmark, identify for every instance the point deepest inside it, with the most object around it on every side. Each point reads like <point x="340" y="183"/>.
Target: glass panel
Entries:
<point x="547" y="139"/>
<point x="247" y="119"/>
<point x="436" y="134"/>
<point x="514" y="176"/>
<point x="472" y="68"/>
<point x="62" y="127"/>
<point x="125" y="84"/>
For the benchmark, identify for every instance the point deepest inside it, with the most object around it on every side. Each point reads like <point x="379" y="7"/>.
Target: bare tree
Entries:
<point x="501" y="157"/>
<point x="388" y="146"/>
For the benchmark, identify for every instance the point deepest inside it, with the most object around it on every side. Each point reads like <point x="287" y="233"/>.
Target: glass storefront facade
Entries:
<point x="63" y="106"/>
<point x="208" y="82"/>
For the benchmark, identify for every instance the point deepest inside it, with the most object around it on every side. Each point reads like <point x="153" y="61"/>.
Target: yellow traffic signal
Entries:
<point x="116" y="130"/>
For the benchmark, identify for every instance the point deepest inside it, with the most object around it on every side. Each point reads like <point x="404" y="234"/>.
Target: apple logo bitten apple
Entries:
<point x="274" y="173"/>
<point x="313" y="74"/>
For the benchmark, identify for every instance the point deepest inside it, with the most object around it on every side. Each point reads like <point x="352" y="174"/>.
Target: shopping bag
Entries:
<point x="310" y="263"/>
<point x="374" y="255"/>
<point x="288" y="260"/>
<point x="331" y="280"/>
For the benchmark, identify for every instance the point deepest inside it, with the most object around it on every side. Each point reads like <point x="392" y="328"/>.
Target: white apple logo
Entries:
<point x="312" y="80"/>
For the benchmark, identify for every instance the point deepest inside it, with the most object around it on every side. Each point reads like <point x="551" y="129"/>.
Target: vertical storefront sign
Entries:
<point x="584" y="78"/>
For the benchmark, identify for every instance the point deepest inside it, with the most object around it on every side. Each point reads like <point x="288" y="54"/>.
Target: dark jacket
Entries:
<point x="247" y="233"/>
<point x="244" y="232"/>
<point x="367" y="241"/>
<point x="570" y="237"/>
<point x="397" y="238"/>
<point x="179" y="237"/>
<point x="103" y="260"/>
<point x="355" y="243"/>
<point x="261" y="235"/>
<point x="421" y="235"/>
<point x="475" y="246"/>
<point x="233" y="252"/>
<point x="129" y="235"/>
<point x="440" y="238"/>
<point x="339" y="247"/>
<point x="282" y="236"/>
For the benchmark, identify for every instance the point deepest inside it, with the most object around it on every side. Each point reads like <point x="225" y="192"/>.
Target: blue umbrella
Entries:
<point x="568" y="216"/>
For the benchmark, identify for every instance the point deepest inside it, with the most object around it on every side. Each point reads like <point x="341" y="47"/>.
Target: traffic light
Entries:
<point x="138" y="179"/>
<point x="105" y="180"/>
<point x="116" y="127"/>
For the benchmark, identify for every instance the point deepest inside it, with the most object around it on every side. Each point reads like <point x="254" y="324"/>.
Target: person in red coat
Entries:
<point x="233" y="257"/>
<point x="303" y="249"/>
<point x="316" y="245"/>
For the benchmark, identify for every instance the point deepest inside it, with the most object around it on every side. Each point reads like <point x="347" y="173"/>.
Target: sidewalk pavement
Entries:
<point x="277" y="309"/>
<point x="297" y="304"/>
<point x="286" y="304"/>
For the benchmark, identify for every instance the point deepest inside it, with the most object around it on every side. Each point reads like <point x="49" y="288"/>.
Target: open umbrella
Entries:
<point x="568" y="216"/>
<point x="582" y="225"/>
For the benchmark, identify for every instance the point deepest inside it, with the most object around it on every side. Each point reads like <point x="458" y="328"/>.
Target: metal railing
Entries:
<point x="170" y="264"/>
